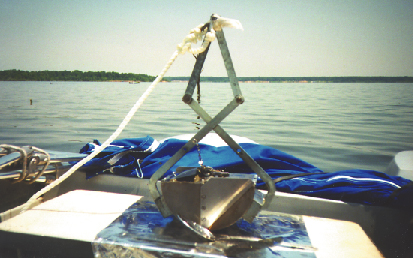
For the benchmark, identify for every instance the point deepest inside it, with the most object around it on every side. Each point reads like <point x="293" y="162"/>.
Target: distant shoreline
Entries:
<point x="343" y="79"/>
<point x="18" y="75"/>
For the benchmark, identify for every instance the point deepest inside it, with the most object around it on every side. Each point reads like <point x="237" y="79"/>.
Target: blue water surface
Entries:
<point x="335" y="126"/>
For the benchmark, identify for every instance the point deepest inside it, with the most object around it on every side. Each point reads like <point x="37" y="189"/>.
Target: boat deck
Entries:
<point x="66" y="226"/>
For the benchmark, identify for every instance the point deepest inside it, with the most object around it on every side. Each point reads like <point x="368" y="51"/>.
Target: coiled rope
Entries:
<point x="197" y="34"/>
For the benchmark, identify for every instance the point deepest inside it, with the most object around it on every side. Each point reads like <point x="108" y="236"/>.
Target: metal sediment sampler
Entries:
<point x="203" y="197"/>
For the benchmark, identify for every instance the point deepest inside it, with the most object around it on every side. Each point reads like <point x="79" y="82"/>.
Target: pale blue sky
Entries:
<point x="280" y="37"/>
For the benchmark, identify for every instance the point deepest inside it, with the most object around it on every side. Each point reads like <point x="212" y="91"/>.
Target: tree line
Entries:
<point x="17" y="75"/>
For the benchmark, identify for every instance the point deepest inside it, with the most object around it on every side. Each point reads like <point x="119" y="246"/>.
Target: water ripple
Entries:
<point x="333" y="126"/>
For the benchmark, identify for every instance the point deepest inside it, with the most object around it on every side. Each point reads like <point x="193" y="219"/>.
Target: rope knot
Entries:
<point x="207" y="33"/>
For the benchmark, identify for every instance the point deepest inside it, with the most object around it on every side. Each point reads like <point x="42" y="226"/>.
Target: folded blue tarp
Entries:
<point x="141" y="157"/>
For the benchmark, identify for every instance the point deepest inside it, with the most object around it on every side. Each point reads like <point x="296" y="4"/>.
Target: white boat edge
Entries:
<point x="388" y="228"/>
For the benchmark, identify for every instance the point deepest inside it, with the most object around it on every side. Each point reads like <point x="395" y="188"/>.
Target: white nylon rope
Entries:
<point x="194" y="36"/>
<point x="118" y="131"/>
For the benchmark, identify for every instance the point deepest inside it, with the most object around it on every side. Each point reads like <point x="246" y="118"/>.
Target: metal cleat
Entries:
<point x="29" y="163"/>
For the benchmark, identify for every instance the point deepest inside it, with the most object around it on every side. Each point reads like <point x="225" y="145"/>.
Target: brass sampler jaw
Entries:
<point x="214" y="201"/>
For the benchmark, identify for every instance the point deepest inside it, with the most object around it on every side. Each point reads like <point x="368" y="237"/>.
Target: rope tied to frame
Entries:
<point x="207" y="31"/>
<point x="215" y="24"/>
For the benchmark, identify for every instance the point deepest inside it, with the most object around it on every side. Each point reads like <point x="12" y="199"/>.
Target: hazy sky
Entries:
<point x="280" y="37"/>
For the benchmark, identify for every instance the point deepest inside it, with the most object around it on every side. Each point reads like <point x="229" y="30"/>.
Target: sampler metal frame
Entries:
<point x="213" y="124"/>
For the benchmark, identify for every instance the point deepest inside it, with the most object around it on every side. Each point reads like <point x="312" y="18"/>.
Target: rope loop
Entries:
<point x="205" y="32"/>
<point x="196" y="34"/>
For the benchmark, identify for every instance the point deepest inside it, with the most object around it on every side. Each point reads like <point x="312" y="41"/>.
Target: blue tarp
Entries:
<point x="138" y="157"/>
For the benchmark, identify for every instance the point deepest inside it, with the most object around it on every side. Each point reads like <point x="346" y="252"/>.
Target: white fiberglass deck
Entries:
<point x="75" y="218"/>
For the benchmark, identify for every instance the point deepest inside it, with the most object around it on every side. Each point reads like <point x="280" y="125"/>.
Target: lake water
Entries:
<point x="333" y="126"/>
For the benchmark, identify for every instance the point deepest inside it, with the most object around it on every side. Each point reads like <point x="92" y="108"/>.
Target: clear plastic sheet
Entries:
<point x="141" y="231"/>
